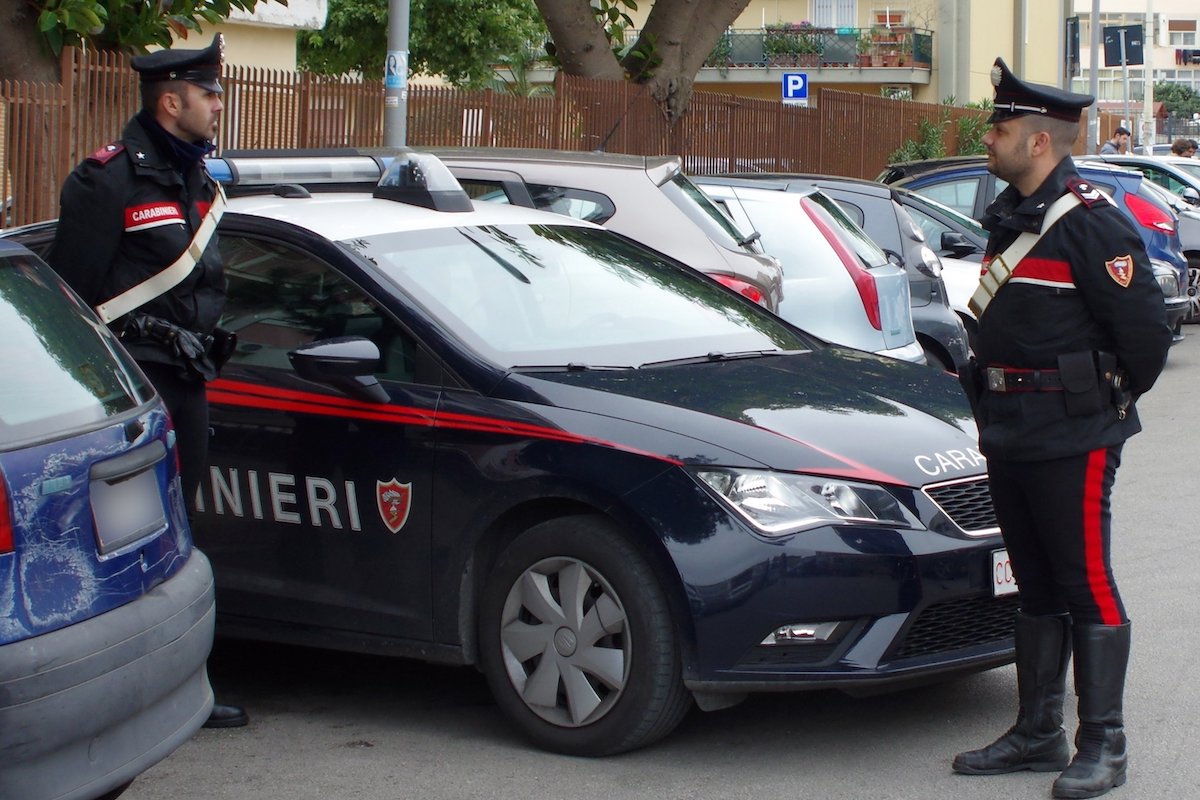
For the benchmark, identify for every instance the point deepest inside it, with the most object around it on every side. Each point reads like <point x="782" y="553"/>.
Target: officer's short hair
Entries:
<point x="1063" y="133"/>
<point x="152" y="92"/>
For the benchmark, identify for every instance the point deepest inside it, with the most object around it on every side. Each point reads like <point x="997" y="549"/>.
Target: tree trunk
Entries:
<point x="678" y="38"/>
<point x="23" y="56"/>
<point x="579" y="41"/>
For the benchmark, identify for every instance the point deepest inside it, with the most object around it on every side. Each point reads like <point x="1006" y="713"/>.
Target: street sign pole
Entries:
<point x="395" y="76"/>
<point x="1125" y="119"/>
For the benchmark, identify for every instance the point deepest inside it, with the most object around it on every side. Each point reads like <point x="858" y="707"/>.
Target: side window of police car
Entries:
<point x="280" y="298"/>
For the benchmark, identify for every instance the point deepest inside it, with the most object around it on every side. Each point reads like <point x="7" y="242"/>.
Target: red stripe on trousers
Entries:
<point x="1093" y="540"/>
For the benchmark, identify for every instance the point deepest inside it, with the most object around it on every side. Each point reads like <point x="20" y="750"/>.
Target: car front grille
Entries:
<point x="955" y="624"/>
<point x="968" y="504"/>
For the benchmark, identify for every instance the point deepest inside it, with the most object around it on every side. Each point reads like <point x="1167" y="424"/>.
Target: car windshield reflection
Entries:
<point x="571" y="297"/>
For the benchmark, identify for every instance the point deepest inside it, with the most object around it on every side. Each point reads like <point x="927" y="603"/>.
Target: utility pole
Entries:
<point x="1148" y="39"/>
<point x="1093" y="126"/>
<point x="395" y="76"/>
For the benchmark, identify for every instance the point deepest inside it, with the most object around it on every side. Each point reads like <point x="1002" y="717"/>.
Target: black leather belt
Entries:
<point x="1009" y="379"/>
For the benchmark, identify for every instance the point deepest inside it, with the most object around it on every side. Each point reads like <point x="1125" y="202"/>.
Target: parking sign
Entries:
<point x="795" y="88"/>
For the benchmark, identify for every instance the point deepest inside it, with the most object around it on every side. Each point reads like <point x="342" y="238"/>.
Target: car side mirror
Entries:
<point x="957" y="245"/>
<point x="346" y="363"/>
<point x="1190" y="196"/>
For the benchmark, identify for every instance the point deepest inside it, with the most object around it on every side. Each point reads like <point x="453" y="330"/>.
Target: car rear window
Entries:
<point x="692" y="200"/>
<point x="64" y="370"/>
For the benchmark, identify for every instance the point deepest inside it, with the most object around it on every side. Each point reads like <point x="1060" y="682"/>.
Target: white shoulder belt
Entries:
<point x="169" y="278"/>
<point x="999" y="271"/>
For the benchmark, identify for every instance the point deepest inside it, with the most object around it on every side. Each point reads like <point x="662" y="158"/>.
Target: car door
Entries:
<point x="316" y="508"/>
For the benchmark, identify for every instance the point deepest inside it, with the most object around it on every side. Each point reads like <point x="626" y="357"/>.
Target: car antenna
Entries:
<point x="604" y="142"/>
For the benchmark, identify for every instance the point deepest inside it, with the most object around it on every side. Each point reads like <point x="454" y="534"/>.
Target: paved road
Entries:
<point x="329" y="725"/>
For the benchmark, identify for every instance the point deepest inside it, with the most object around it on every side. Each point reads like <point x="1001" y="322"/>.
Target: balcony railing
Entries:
<point x="799" y="45"/>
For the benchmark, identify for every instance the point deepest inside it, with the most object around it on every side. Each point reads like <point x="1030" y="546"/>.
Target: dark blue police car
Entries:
<point x="484" y="434"/>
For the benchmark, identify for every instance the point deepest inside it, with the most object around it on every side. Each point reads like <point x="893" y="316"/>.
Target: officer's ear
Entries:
<point x="171" y="100"/>
<point x="1040" y="141"/>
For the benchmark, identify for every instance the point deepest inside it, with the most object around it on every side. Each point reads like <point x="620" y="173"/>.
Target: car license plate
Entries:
<point x="1003" y="581"/>
<point x="127" y="510"/>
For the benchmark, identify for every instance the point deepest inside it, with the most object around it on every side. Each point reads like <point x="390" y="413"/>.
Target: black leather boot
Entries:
<point x="1101" y="656"/>
<point x="225" y="716"/>
<point x="1037" y="741"/>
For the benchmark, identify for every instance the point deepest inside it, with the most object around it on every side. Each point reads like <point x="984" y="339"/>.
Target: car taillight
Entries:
<point x="741" y="287"/>
<point x="6" y="524"/>
<point x="864" y="281"/>
<point x="1149" y="215"/>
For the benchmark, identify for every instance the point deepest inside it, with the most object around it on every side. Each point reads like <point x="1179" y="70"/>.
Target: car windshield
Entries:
<point x="566" y="296"/>
<point x="1191" y="169"/>
<point x="72" y="373"/>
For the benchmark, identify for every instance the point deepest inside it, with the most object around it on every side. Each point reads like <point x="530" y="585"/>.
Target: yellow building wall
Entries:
<point x="257" y="45"/>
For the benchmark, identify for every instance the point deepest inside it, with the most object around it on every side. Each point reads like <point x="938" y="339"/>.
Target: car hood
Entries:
<point x="834" y="412"/>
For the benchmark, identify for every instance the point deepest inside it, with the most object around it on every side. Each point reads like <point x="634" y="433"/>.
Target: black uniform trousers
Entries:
<point x="187" y="402"/>
<point x="1056" y="517"/>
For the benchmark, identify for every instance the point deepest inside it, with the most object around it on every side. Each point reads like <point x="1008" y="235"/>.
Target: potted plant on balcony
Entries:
<point x="865" y="46"/>
<point x="781" y="44"/>
<point x="809" y="53"/>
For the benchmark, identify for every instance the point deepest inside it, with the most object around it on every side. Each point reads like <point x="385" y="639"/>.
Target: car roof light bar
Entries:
<point x="422" y="179"/>
<point x="246" y="171"/>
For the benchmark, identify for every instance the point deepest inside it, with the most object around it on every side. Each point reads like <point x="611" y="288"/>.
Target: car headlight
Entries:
<point x="1167" y="277"/>
<point x="781" y="503"/>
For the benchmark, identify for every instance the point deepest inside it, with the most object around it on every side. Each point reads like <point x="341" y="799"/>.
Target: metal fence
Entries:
<point x="45" y="129"/>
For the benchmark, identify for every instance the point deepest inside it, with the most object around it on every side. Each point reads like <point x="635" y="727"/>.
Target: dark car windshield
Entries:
<point x="63" y="369"/>
<point x="550" y="295"/>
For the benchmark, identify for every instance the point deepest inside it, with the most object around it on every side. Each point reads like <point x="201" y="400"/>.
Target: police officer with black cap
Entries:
<point x="136" y="240"/>
<point x="1072" y="330"/>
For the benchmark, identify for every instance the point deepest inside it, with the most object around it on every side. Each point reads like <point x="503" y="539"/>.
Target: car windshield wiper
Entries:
<point x="716" y="355"/>
<point x="573" y="366"/>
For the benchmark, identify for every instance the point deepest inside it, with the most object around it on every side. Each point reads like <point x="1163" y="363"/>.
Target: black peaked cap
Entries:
<point x="201" y="67"/>
<point x="1015" y="97"/>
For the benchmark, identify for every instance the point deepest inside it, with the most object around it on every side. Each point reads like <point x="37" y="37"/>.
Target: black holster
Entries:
<point x="970" y="376"/>
<point x="224" y="343"/>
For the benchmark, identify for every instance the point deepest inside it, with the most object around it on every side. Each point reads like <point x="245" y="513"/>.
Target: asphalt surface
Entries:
<point x="333" y="725"/>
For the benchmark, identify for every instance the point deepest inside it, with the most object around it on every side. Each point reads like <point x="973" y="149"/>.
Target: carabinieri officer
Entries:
<point x="136" y="240"/>
<point x="1072" y="330"/>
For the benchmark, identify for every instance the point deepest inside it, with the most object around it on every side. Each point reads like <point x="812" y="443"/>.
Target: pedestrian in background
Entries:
<point x="1072" y="330"/>
<point x="136" y="240"/>
<point x="1118" y="142"/>
<point x="1185" y="148"/>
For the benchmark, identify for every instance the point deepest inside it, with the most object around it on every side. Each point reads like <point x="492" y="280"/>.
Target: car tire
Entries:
<point x="577" y="642"/>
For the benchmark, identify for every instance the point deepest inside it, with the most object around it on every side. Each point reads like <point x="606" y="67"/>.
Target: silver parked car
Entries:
<point x="837" y="283"/>
<point x="647" y="198"/>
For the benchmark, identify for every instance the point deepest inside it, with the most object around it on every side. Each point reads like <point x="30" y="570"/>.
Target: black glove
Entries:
<point x="187" y="346"/>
